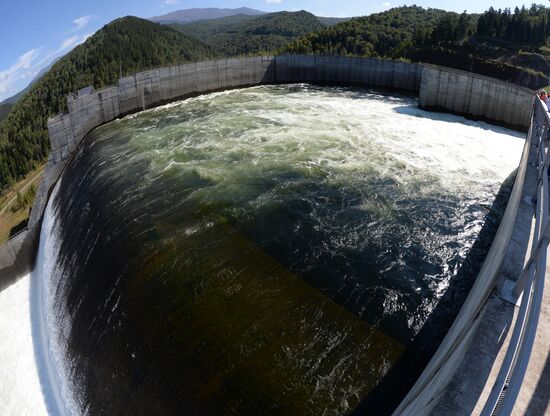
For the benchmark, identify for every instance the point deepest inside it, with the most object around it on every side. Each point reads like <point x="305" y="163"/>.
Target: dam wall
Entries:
<point x="475" y="96"/>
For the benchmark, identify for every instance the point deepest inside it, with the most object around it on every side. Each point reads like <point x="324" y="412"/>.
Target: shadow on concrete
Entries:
<point x="447" y="117"/>
<point x="392" y="389"/>
<point x="19" y="227"/>
<point x="539" y="404"/>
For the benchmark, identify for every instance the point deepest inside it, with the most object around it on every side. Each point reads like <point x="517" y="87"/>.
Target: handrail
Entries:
<point x="529" y="286"/>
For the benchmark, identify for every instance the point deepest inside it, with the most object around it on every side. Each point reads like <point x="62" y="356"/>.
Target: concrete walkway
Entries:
<point x="475" y="376"/>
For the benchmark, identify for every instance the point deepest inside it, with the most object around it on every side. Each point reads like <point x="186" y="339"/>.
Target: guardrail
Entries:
<point x="528" y="289"/>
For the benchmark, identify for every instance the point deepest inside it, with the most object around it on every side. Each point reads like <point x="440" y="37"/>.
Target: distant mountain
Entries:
<point x="332" y="21"/>
<point x="192" y="15"/>
<point x="244" y="34"/>
<point x="12" y="100"/>
<point x="129" y="44"/>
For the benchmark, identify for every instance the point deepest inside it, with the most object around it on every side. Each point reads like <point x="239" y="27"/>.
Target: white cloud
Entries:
<point x="67" y="43"/>
<point x="273" y="1"/>
<point x="170" y="2"/>
<point x="82" y="22"/>
<point x="386" y="5"/>
<point x="30" y="63"/>
<point x="21" y="69"/>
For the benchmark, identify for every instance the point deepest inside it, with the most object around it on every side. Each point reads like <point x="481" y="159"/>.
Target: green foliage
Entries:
<point x="4" y="110"/>
<point x="125" y="45"/>
<point x="526" y="26"/>
<point x="241" y="35"/>
<point x="387" y="34"/>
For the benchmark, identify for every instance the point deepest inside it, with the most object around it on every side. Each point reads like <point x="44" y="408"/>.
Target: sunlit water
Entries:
<point x="273" y="250"/>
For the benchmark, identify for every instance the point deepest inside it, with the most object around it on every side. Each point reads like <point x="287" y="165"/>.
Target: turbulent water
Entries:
<point x="272" y="250"/>
<point x="20" y="389"/>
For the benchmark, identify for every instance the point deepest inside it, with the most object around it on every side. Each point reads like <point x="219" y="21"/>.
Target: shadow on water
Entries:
<point x="391" y="390"/>
<point x="415" y="111"/>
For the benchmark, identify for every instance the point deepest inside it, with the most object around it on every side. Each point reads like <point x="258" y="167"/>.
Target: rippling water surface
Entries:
<point x="272" y="250"/>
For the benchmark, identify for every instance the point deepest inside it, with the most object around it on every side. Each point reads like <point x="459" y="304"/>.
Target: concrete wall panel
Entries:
<point x="476" y="96"/>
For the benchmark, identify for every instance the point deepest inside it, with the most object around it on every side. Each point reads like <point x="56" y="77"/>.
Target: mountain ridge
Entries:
<point x="195" y="14"/>
<point x="242" y="34"/>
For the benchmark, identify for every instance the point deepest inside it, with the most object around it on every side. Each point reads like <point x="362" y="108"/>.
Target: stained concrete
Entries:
<point x="475" y="96"/>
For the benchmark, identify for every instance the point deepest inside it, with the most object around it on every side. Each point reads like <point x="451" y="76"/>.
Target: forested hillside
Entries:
<point x="239" y="35"/>
<point x="525" y="26"/>
<point x="382" y="34"/>
<point x="125" y="45"/>
<point x="4" y="110"/>
<point x="486" y="44"/>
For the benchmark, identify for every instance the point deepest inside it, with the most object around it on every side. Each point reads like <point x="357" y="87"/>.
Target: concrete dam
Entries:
<point x="167" y="230"/>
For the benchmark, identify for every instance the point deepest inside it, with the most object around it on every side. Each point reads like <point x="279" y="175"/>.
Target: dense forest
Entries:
<point x="241" y="34"/>
<point x="123" y="46"/>
<point x="526" y="26"/>
<point x="4" y="110"/>
<point x="385" y="34"/>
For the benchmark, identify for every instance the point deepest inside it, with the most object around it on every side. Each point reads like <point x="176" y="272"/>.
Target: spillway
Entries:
<point x="279" y="249"/>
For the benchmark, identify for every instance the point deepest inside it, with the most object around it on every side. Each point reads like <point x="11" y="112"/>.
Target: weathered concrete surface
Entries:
<point x="476" y="96"/>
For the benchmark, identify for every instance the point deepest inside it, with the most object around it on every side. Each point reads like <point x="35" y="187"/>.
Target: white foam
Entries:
<point x="50" y="323"/>
<point x="20" y="389"/>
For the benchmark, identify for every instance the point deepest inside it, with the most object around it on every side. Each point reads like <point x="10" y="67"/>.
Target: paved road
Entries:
<point x="22" y="190"/>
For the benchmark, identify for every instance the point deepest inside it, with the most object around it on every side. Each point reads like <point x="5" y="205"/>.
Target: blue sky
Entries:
<point x="35" y="32"/>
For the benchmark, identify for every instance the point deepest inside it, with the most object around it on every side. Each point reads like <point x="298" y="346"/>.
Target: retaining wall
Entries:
<point x="475" y="96"/>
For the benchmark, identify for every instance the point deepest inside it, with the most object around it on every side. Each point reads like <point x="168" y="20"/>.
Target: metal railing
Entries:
<point x="528" y="290"/>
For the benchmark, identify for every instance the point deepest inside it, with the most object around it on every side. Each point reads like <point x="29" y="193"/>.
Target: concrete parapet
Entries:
<point x="476" y="96"/>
